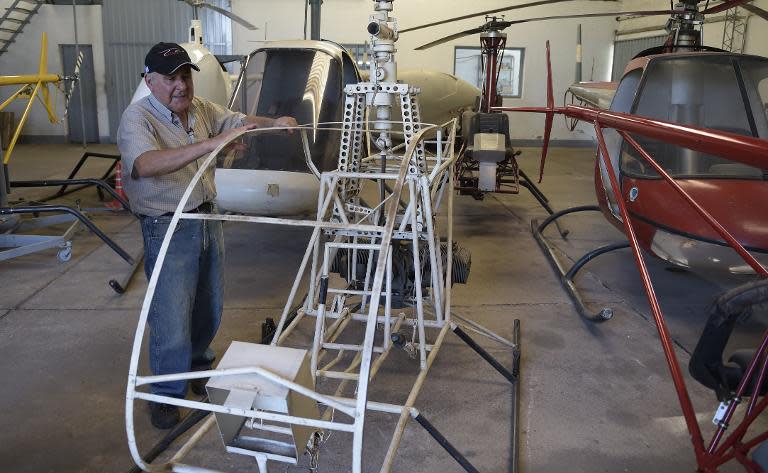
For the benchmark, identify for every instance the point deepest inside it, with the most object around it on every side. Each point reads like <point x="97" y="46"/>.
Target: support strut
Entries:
<point x="446" y="444"/>
<point x="539" y="195"/>
<point x="484" y="354"/>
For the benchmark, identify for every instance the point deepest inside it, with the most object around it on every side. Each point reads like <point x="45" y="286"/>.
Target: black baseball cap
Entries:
<point x="166" y="58"/>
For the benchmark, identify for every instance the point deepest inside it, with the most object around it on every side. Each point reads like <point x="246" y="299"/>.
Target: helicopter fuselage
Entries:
<point x="719" y="91"/>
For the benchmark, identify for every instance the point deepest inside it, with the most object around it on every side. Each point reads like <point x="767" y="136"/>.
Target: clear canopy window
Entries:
<point x="719" y="92"/>
<point x="304" y="84"/>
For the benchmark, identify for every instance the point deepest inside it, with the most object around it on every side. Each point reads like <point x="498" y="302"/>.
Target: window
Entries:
<point x="360" y="52"/>
<point x="700" y="91"/>
<point x="468" y="65"/>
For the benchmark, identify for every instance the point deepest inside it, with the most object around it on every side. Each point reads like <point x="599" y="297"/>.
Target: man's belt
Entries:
<point x="204" y="208"/>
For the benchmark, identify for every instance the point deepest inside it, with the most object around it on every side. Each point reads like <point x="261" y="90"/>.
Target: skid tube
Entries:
<point x="566" y="277"/>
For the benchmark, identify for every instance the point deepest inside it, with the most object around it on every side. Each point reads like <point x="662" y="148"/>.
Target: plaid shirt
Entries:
<point x="148" y="125"/>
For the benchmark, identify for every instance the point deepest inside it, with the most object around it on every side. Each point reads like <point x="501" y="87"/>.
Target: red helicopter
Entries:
<point x="681" y="170"/>
<point x="683" y="82"/>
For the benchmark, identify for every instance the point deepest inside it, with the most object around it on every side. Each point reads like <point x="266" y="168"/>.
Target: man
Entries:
<point x="161" y="138"/>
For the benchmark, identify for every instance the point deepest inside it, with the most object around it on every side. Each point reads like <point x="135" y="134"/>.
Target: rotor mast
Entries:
<point x="493" y="42"/>
<point x="684" y="26"/>
<point x="383" y="31"/>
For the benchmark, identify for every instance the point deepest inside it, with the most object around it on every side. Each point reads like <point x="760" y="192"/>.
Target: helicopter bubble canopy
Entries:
<point x="306" y="84"/>
<point x="716" y="91"/>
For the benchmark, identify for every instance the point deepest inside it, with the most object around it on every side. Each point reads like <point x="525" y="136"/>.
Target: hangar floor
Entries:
<point x="595" y="398"/>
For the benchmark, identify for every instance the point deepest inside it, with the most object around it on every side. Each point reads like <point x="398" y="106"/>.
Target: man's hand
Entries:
<point x="228" y="135"/>
<point x="286" y="122"/>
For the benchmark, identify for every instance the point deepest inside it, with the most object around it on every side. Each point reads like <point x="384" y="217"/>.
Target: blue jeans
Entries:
<point x="188" y="301"/>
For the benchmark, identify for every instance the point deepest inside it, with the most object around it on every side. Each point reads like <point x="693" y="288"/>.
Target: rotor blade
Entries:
<point x="725" y="6"/>
<point x="487" y="12"/>
<point x="228" y="14"/>
<point x="450" y="38"/>
<point x="75" y="78"/>
<point x="505" y="24"/>
<point x="757" y="11"/>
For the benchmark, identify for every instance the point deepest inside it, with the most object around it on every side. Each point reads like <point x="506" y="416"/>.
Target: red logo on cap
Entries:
<point x="170" y="52"/>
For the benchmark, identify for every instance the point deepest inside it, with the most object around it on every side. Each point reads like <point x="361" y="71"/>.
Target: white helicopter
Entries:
<point x="305" y="79"/>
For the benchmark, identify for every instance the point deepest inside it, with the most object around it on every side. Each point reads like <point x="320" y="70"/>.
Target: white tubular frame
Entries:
<point x="348" y="226"/>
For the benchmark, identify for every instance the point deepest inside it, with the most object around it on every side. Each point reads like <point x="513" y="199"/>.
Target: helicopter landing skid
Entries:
<point x="566" y="277"/>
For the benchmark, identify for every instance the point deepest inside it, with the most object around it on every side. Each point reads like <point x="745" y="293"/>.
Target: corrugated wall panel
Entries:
<point x="132" y="27"/>
<point x="624" y="51"/>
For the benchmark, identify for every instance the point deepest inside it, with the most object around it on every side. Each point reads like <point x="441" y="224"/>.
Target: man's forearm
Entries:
<point x="160" y="162"/>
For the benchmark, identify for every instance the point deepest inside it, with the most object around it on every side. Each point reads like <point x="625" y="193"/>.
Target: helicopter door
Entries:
<point x="705" y="91"/>
<point x="622" y="102"/>
<point x="306" y="84"/>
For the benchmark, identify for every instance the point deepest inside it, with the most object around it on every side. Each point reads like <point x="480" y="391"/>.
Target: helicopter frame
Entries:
<point x="344" y="223"/>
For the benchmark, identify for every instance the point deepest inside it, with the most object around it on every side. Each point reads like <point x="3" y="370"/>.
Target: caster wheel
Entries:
<point x="65" y="254"/>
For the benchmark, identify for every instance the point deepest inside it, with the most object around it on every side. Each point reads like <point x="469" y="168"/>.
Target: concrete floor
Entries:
<point x="596" y="398"/>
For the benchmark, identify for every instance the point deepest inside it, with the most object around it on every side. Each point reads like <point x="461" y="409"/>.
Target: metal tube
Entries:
<point x="480" y="330"/>
<point x="294" y="288"/>
<point x="739" y="148"/>
<point x="316" y="8"/>
<point x="732" y="407"/>
<point x="285" y="221"/>
<point x="516" y="393"/>
<point x="13" y="97"/>
<point x="395" y="442"/>
<point x="669" y="352"/>
<point x="417" y="274"/>
<point x="23" y="120"/>
<point x="435" y="258"/>
<point x="446" y="444"/>
<point x="484" y="354"/>
<point x="192" y="441"/>
<point x="449" y="268"/>
<point x="378" y="280"/>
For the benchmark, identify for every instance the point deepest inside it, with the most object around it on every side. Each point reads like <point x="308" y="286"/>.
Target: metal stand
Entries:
<point x="566" y="277"/>
<point x="70" y="180"/>
<point x="26" y="244"/>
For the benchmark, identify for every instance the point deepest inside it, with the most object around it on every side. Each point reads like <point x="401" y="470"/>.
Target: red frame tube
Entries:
<point x="739" y="148"/>
<point x="661" y="326"/>
<point x="491" y="47"/>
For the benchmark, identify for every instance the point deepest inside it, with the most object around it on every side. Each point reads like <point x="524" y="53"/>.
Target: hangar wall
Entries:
<point x="23" y="57"/>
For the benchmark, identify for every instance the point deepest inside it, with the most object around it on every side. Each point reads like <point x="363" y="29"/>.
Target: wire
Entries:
<point x="306" y="8"/>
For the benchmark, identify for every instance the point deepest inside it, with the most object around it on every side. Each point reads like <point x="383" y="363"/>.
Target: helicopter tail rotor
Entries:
<point x="73" y="79"/>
